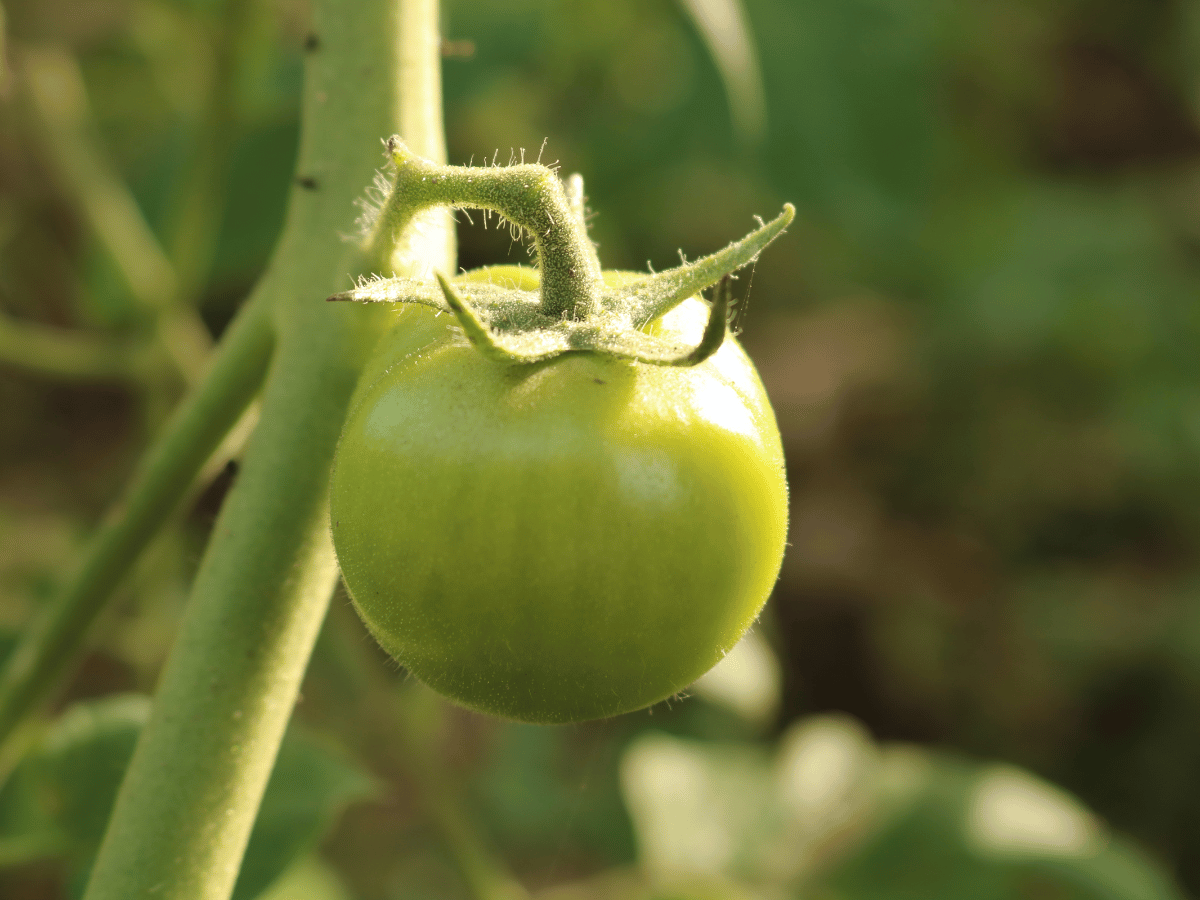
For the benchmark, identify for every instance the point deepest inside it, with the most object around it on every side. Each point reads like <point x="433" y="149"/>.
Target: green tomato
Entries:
<point x="560" y="541"/>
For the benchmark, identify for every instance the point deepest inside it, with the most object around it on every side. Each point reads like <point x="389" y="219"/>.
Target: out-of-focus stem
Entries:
<point x="195" y="222"/>
<point x="57" y="96"/>
<point x="163" y="480"/>
<point x="4" y="75"/>
<point x="71" y="355"/>
<point x="430" y="241"/>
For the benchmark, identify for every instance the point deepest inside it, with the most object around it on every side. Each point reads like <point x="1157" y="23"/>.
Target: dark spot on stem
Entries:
<point x="312" y="43"/>
<point x="307" y="182"/>
<point x="599" y="381"/>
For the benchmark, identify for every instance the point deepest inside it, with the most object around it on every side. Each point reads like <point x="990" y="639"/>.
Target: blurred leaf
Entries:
<point x="61" y="795"/>
<point x="81" y="762"/>
<point x="698" y="810"/>
<point x="308" y="789"/>
<point x="309" y="878"/>
<point x="747" y="680"/>
<point x="553" y="791"/>
<point x="994" y="834"/>
<point x="704" y="809"/>
<point x="835" y="815"/>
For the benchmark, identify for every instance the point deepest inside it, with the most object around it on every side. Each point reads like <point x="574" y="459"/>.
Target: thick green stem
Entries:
<point x="191" y="793"/>
<point x="196" y="430"/>
<point x="192" y="790"/>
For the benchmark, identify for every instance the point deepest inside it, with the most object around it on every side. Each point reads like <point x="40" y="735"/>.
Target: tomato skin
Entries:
<point x="559" y="541"/>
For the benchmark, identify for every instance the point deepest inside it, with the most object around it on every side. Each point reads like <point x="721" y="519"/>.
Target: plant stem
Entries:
<point x="45" y="650"/>
<point x="4" y="75"/>
<point x="58" y="97"/>
<point x="530" y="196"/>
<point x="197" y="208"/>
<point x="191" y="793"/>
<point x="431" y="241"/>
<point x="71" y="355"/>
<point x="192" y="790"/>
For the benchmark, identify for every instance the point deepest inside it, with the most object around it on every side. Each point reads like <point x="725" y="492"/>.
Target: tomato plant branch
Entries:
<point x="46" y="649"/>
<point x="192" y="790"/>
<point x="57" y="95"/>
<point x="430" y="240"/>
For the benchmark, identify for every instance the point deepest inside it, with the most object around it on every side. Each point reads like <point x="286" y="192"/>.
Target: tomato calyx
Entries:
<point x="573" y="310"/>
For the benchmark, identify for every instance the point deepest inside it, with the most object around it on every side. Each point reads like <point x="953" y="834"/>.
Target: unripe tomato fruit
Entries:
<point x="560" y="541"/>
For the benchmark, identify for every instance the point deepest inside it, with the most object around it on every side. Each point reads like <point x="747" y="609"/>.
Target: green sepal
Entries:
<point x="657" y="294"/>
<point x="508" y="324"/>
<point x="524" y="345"/>
<point x="632" y="343"/>
<point x="607" y="335"/>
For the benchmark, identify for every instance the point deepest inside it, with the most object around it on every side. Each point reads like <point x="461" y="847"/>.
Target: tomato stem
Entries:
<point x="529" y="196"/>
<point x="508" y="325"/>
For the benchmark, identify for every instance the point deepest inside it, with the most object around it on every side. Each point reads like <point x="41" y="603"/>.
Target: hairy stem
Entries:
<point x="431" y="236"/>
<point x="190" y="796"/>
<point x="530" y="196"/>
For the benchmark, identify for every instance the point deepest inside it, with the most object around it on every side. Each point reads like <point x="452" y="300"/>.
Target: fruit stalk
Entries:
<point x="529" y="196"/>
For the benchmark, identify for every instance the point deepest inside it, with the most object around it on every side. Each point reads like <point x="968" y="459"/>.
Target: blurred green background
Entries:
<point x="979" y="338"/>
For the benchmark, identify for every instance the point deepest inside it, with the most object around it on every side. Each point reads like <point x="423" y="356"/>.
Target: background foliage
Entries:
<point x="979" y="338"/>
